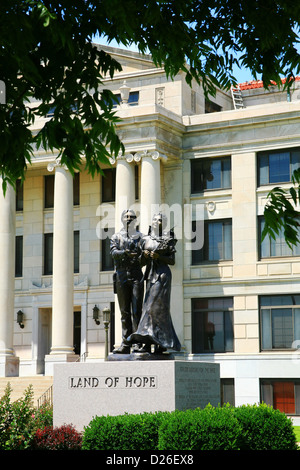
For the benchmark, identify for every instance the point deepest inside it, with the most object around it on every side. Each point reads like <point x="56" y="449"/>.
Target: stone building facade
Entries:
<point x="209" y="166"/>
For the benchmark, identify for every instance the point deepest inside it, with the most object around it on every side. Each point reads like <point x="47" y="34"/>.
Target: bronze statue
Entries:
<point x="155" y="326"/>
<point x="125" y="250"/>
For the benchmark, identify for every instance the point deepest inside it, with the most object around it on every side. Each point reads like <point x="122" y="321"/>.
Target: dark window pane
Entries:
<point x="19" y="195"/>
<point x="109" y="185"/>
<point x="227" y="392"/>
<point x="77" y="332"/>
<point x="76" y="191"/>
<point x="76" y="251"/>
<point x="106" y="258"/>
<point x="48" y="253"/>
<point x="19" y="256"/>
<point x="49" y="191"/>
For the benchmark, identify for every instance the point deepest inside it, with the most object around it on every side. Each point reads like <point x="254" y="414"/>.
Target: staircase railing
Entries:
<point x="47" y="397"/>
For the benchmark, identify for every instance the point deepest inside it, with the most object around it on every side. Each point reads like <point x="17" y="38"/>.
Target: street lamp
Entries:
<point x="106" y="320"/>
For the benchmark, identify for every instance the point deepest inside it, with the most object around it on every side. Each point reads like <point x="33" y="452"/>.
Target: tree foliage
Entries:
<point x="281" y="212"/>
<point x="48" y="61"/>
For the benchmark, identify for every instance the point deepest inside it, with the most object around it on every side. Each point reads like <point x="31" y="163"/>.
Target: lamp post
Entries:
<point x="106" y="320"/>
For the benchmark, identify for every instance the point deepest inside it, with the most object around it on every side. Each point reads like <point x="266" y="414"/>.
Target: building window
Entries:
<point x="271" y="247"/>
<point x="19" y="195"/>
<point x="49" y="191"/>
<point x="106" y="258"/>
<point x="210" y="173"/>
<point x="19" y="256"/>
<point x="282" y="395"/>
<point x="217" y="244"/>
<point x="76" y="190"/>
<point x="76" y="251"/>
<point x="277" y="166"/>
<point x="227" y="392"/>
<point x="279" y="321"/>
<point x="133" y="99"/>
<point x="211" y="107"/>
<point x="48" y="254"/>
<point x="109" y="185"/>
<point x="212" y="325"/>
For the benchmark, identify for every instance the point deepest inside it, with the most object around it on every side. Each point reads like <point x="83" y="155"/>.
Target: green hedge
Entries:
<point x="265" y="428"/>
<point x="251" y="427"/>
<point x="125" y="432"/>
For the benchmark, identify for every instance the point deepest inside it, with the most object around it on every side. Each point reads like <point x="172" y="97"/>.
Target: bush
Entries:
<point x="59" y="438"/>
<point x="20" y="419"/>
<point x="265" y="428"/>
<point x="249" y="427"/>
<point x="125" y="432"/>
<point x="201" y="429"/>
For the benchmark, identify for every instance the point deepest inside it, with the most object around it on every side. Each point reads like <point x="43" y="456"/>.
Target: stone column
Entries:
<point x="63" y="268"/>
<point x="125" y="187"/>
<point x="9" y="363"/>
<point x="150" y="187"/>
<point x="125" y="198"/>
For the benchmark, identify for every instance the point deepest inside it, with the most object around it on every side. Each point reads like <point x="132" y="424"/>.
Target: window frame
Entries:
<point x="270" y="323"/>
<point x="202" y="256"/>
<point x="266" y="386"/>
<point x="272" y="244"/>
<point x="270" y="153"/>
<point x="198" y="325"/>
<point x="199" y="175"/>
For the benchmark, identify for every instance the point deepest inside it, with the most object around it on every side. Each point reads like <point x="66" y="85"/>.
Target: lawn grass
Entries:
<point x="297" y="433"/>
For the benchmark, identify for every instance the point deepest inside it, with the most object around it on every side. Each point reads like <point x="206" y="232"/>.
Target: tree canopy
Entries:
<point x="48" y="61"/>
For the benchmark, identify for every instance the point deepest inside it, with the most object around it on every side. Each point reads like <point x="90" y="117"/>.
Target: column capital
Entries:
<point x="137" y="156"/>
<point x="56" y="164"/>
<point x="154" y="154"/>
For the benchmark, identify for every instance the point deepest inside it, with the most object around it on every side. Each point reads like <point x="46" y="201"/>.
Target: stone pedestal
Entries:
<point x="82" y="391"/>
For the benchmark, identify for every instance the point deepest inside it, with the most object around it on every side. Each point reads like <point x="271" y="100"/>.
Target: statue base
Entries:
<point x="144" y="356"/>
<point x="82" y="391"/>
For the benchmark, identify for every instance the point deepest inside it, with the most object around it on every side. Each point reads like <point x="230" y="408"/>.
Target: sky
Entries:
<point x="242" y="75"/>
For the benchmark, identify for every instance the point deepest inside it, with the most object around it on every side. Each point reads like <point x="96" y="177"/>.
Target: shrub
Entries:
<point x="125" y="432"/>
<point x="58" y="438"/>
<point x="43" y="416"/>
<point x="265" y="428"/>
<point x="20" y="419"/>
<point x="16" y="420"/>
<point x="201" y="429"/>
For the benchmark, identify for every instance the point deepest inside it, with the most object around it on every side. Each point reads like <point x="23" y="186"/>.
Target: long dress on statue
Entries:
<point x="156" y="326"/>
